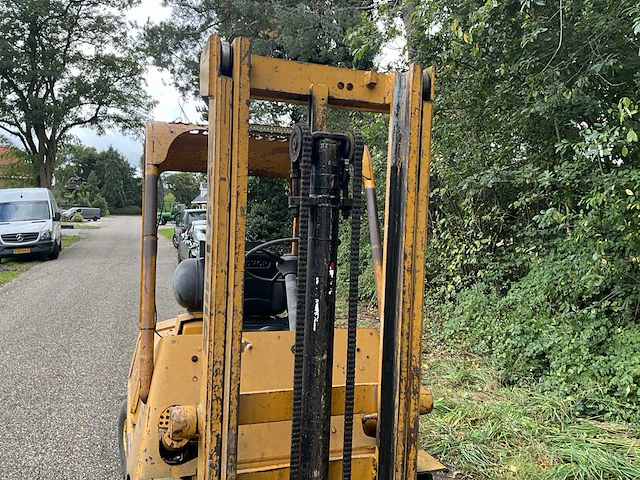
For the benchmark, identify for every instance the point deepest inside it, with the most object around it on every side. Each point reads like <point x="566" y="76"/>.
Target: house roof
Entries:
<point x="200" y="199"/>
<point x="8" y="156"/>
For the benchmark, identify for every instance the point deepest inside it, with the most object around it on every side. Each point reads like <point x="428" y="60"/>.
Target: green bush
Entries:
<point x="99" y="202"/>
<point x="128" y="210"/>
<point x="77" y="218"/>
<point x="570" y="325"/>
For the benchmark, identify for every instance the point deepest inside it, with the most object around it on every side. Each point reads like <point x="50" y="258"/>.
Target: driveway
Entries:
<point x="67" y="331"/>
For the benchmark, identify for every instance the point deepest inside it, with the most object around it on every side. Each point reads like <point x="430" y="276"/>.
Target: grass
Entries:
<point x="10" y="268"/>
<point x="68" y="240"/>
<point x="166" y="232"/>
<point x="484" y="430"/>
<point x="83" y="226"/>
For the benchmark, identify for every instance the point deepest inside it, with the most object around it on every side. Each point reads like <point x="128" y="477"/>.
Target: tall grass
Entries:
<point x="485" y="430"/>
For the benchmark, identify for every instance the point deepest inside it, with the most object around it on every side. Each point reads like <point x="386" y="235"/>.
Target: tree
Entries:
<point x="107" y="172"/>
<point x="67" y="64"/>
<point x="184" y="186"/>
<point x="303" y="30"/>
<point x="535" y="171"/>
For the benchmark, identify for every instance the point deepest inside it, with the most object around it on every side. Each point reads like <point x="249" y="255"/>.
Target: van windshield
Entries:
<point x="24" y="211"/>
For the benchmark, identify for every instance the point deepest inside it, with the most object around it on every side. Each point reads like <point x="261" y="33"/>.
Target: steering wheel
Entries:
<point x="262" y="248"/>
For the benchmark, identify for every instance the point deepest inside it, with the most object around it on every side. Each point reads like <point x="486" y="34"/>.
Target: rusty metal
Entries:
<point x="148" y="279"/>
<point x="183" y="422"/>
<point x="405" y="243"/>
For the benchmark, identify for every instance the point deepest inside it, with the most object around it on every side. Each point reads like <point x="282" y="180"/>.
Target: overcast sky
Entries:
<point x="171" y="107"/>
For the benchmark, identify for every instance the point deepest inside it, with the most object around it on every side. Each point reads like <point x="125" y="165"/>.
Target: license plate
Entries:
<point x="21" y="250"/>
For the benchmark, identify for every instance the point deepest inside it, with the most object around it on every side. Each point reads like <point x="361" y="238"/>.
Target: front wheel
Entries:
<point x="122" y="438"/>
<point x="175" y="240"/>
<point x="163" y="221"/>
<point x="56" y="251"/>
<point x="95" y="219"/>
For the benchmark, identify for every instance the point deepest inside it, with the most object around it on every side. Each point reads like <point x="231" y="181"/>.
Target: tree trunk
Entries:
<point x="407" y="12"/>
<point x="42" y="159"/>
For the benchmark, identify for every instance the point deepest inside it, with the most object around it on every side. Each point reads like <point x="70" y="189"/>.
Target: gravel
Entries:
<point x="68" y="328"/>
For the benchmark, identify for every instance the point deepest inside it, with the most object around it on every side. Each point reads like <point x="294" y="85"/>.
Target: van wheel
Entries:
<point x="95" y="219"/>
<point x="56" y="252"/>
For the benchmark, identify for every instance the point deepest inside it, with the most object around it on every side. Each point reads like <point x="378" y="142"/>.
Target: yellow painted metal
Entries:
<point x="319" y="107"/>
<point x="288" y="81"/>
<point x="175" y="367"/>
<point x="275" y="406"/>
<point x="239" y="165"/>
<point x="426" y="463"/>
<point x="148" y="278"/>
<point x="406" y="171"/>
<point x="183" y="422"/>
<point x="216" y="265"/>
<point x="265" y="401"/>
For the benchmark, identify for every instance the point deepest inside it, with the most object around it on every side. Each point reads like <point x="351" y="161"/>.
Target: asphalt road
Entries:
<point x="67" y="332"/>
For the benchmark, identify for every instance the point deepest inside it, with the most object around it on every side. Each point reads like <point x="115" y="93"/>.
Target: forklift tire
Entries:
<point x="122" y="421"/>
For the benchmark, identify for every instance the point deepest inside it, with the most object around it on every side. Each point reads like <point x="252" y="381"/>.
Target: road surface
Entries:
<point x="67" y="329"/>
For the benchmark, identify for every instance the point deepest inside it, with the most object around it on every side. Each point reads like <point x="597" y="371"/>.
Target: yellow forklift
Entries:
<point x="255" y="381"/>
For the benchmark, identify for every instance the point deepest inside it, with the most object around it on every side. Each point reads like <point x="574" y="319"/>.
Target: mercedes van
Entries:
<point x="29" y="223"/>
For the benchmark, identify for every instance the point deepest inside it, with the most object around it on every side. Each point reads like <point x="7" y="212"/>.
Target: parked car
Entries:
<point x="189" y="244"/>
<point x="88" y="213"/>
<point x="184" y="222"/>
<point x="29" y="223"/>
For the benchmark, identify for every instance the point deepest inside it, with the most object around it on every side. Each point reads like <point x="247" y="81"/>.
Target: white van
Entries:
<point x="29" y="223"/>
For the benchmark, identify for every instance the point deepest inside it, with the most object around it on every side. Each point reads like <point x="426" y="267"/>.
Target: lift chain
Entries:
<point x="302" y="152"/>
<point x="357" y="147"/>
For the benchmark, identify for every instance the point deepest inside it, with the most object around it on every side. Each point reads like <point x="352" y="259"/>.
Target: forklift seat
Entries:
<point x="265" y="298"/>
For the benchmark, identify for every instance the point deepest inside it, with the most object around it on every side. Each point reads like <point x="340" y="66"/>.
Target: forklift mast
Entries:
<point x="314" y="401"/>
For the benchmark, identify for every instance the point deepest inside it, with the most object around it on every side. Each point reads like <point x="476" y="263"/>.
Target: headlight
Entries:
<point x="45" y="235"/>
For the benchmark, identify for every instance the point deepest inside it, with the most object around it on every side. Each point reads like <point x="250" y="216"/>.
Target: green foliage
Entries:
<point x="77" y="218"/>
<point x="184" y="186"/>
<point x="19" y="174"/>
<point x="130" y="210"/>
<point x="100" y="202"/>
<point x="169" y="200"/>
<point x="77" y="67"/>
<point x="268" y="215"/>
<point x="533" y="225"/>
<point x="303" y="30"/>
<point x="110" y="181"/>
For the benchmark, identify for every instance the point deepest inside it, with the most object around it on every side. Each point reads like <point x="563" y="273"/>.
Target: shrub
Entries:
<point x="128" y="210"/>
<point x="77" y="217"/>
<point x="99" y="202"/>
